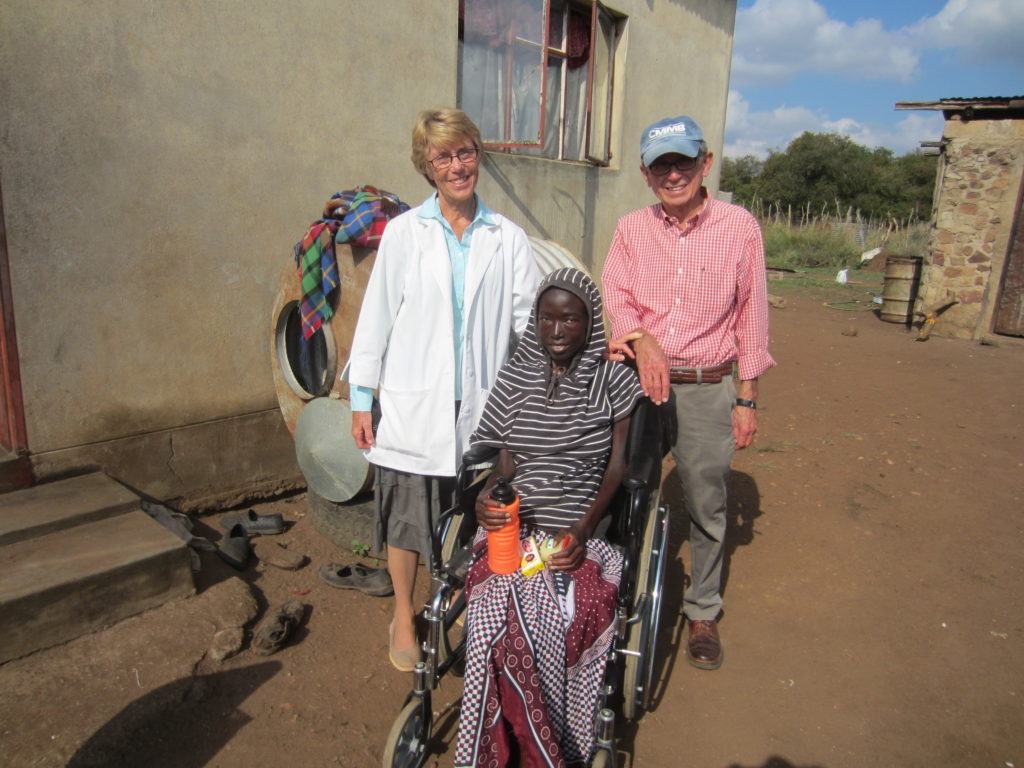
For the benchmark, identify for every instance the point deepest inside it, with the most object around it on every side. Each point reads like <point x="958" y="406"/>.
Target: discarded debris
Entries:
<point x="226" y="643"/>
<point x="776" y="301"/>
<point x="849" y="331"/>
<point x="278" y="555"/>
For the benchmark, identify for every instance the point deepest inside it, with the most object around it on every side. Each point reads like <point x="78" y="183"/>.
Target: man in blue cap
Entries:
<point x="684" y="283"/>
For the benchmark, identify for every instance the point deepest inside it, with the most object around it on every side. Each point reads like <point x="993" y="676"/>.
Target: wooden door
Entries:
<point x="12" y="414"/>
<point x="1010" y="309"/>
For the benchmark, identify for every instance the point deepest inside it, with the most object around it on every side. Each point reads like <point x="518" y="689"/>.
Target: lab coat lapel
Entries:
<point x="435" y="257"/>
<point x="486" y="243"/>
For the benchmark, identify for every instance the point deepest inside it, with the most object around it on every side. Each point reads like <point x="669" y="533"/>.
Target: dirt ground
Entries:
<point x="874" y="600"/>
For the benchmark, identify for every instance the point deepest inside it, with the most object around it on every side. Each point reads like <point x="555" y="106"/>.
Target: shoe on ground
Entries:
<point x="254" y="524"/>
<point x="703" y="645"/>
<point x="370" y="581"/>
<point x="234" y="549"/>
<point x="280" y="624"/>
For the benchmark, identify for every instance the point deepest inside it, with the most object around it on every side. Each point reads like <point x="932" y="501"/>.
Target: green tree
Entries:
<point x="831" y="172"/>
<point x="740" y="176"/>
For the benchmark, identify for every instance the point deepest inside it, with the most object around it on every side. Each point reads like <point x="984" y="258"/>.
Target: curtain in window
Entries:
<point x="502" y="57"/>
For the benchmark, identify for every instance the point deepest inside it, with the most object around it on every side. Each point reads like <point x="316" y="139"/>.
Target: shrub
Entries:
<point x="791" y="247"/>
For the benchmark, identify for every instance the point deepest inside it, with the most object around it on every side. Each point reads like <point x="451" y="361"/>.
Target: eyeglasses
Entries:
<point x="467" y="156"/>
<point x="661" y="167"/>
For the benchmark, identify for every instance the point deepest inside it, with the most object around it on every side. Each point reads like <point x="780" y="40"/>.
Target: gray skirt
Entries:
<point x="408" y="506"/>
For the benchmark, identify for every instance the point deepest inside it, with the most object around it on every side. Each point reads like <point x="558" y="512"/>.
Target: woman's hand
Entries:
<point x="490" y="514"/>
<point x="573" y="551"/>
<point x="362" y="429"/>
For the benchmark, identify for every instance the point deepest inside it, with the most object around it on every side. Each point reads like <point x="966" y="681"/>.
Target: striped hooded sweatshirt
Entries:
<point x="558" y="428"/>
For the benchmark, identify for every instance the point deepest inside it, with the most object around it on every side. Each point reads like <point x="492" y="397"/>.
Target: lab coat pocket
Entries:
<point x="405" y="421"/>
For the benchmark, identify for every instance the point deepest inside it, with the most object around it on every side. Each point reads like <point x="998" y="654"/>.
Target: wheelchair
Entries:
<point x="637" y="525"/>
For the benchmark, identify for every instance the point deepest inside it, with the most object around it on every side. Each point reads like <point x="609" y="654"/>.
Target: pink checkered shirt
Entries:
<point x="700" y="291"/>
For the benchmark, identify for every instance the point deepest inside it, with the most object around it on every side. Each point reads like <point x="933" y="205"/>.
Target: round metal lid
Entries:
<point x="334" y="468"/>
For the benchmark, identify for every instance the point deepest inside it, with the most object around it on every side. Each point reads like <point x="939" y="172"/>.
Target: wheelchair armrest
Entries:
<point x="644" y="447"/>
<point x="478" y="454"/>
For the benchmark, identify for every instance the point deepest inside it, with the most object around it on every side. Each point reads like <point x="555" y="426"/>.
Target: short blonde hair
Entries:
<point x="440" y="128"/>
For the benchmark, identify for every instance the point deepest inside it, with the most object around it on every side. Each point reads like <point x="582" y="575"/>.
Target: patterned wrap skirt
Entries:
<point x="536" y="650"/>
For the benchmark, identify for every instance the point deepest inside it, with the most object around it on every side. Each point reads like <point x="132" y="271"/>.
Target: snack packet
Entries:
<point x="532" y="562"/>
<point x="551" y="544"/>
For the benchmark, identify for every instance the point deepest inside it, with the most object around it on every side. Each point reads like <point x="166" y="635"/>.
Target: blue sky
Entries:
<point x="829" y="65"/>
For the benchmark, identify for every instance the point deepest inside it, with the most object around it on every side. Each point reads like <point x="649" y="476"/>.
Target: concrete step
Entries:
<point x="56" y="587"/>
<point x="60" y="505"/>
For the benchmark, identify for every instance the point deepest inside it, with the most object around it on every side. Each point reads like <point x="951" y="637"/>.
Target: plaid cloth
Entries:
<point x="359" y="218"/>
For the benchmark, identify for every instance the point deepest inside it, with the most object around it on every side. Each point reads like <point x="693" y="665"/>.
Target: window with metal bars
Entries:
<point x="537" y="75"/>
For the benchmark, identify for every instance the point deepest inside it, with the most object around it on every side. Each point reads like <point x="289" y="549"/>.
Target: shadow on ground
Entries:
<point x="744" y="507"/>
<point x="182" y="724"/>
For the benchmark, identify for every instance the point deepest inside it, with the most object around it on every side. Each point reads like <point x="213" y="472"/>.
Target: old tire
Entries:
<point x="343" y="523"/>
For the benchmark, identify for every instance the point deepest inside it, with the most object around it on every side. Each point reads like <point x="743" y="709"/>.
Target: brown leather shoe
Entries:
<point x="703" y="646"/>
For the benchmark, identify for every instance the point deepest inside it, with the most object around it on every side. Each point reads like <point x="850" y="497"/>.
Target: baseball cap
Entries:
<point x="673" y="134"/>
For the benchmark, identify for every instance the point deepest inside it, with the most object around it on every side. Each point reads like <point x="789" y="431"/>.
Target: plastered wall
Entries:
<point x="158" y="161"/>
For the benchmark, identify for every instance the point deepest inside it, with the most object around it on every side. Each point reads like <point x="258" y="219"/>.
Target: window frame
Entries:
<point x="597" y="9"/>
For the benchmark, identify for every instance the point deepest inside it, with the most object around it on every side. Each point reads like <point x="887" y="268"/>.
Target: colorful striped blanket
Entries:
<point x="359" y="217"/>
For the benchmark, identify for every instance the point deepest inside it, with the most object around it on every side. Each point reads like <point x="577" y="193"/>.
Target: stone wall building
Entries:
<point x="975" y="253"/>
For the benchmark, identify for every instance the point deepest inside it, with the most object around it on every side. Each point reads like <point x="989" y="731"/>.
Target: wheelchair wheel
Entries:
<point x="601" y="759"/>
<point x="638" y="670"/>
<point x="406" y="746"/>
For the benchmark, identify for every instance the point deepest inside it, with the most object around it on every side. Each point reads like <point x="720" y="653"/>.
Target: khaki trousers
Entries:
<point x="703" y="452"/>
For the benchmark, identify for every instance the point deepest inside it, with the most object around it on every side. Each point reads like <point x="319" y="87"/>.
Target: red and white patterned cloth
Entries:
<point x="536" y="650"/>
<point x="700" y="291"/>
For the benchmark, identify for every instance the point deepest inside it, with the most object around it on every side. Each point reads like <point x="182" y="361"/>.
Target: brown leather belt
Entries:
<point x="711" y="375"/>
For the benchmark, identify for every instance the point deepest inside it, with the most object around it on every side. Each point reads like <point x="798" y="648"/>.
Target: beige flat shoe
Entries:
<point x="403" y="660"/>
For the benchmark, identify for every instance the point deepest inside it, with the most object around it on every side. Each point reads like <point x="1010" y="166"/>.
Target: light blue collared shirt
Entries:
<point x="361" y="398"/>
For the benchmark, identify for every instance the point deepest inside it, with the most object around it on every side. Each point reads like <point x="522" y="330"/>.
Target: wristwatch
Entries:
<point x="752" y="404"/>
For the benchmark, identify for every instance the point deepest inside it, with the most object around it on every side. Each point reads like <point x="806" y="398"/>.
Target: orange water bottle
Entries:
<point x="503" y="544"/>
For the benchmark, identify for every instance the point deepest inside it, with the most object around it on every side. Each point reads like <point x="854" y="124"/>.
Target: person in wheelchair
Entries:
<point x="536" y="646"/>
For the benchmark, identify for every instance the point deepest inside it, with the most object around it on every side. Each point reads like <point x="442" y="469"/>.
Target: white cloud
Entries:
<point x="756" y="133"/>
<point x="988" y="30"/>
<point x="777" y="39"/>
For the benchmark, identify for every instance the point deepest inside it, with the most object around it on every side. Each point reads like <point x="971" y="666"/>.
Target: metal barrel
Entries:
<point x="550" y="256"/>
<point x="899" y="291"/>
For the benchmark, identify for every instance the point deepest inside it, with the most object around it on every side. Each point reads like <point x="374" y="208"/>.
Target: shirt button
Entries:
<point x="679" y="271"/>
<point x="677" y="301"/>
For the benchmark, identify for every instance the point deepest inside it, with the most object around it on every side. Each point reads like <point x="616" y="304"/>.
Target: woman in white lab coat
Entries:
<point x="452" y="287"/>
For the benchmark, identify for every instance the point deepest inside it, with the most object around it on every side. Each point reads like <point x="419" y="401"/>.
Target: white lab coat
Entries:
<point x="403" y="342"/>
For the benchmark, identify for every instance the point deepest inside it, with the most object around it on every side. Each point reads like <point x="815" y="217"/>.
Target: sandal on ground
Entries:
<point x="274" y="631"/>
<point x="234" y="548"/>
<point x="405" y="659"/>
<point x="370" y="581"/>
<point x="254" y="524"/>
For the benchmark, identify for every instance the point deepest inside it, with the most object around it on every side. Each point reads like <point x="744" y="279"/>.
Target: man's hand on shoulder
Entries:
<point x="652" y="365"/>
<point x="619" y="349"/>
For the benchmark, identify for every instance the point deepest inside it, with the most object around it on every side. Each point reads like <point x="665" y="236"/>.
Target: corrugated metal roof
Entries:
<point x="954" y="103"/>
